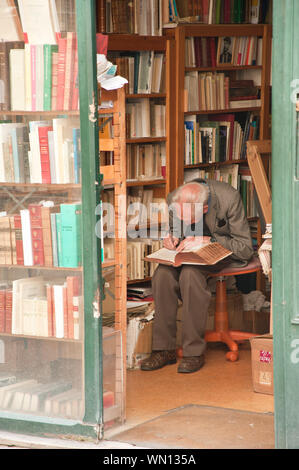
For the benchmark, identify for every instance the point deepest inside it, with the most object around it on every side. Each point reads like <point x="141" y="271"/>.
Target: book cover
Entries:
<point x="71" y="235"/>
<point x="37" y="234"/>
<point x="46" y="213"/>
<point x="16" y="226"/>
<point x="48" y="75"/>
<point x="54" y="81"/>
<point x="62" y="43"/>
<point x="44" y="153"/>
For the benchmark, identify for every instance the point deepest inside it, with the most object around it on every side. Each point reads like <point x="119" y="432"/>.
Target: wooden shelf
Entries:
<point x="137" y="281"/>
<point x="223" y="68"/>
<point x="224" y="111"/>
<point x="135" y="42"/>
<point x="45" y="268"/>
<point x="42" y="187"/>
<point x="203" y="165"/>
<point x="142" y="140"/>
<point x="42" y="338"/>
<point x="146" y="182"/>
<point x="145" y="95"/>
<point x="42" y="113"/>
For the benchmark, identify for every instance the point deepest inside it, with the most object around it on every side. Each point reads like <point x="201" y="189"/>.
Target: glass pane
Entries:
<point x="41" y="288"/>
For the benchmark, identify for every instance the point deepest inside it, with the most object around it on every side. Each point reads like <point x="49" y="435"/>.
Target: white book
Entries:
<point x="17" y="84"/>
<point x="59" y="310"/>
<point x="63" y="130"/>
<point x="35" y="160"/>
<point x="39" y="77"/>
<point x="35" y="15"/>
<point x="5" y="132"/>
<point x="26" y="236"/>
<point x="27" y="65"/>
<point x="52" y="156"/>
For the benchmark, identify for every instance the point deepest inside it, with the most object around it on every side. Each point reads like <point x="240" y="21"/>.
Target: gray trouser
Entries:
<point x="189" y="284"/>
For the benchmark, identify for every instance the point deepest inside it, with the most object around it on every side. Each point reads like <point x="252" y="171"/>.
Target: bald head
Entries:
<point x="191" y="201"/>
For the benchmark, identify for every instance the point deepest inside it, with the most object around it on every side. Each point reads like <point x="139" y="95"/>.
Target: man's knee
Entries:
<point x="164" y="274"/>
<point x="192" y="274"/>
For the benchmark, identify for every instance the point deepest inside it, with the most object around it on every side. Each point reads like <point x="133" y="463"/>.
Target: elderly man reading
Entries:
<point x="207" y="211"/>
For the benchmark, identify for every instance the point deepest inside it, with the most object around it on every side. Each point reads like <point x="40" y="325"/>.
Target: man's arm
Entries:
<point x="239" y="241"/>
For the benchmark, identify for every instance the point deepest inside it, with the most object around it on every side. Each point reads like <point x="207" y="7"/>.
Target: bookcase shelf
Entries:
<point x="222" y="111"/>
<point x="216" y="164"/>
<point x="143" y="140"/>
<point x="151" y="182"/>
<point x="223" y="68"/>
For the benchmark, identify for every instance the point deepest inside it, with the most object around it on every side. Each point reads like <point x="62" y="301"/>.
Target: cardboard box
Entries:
<point x="257" y="322"/>
<point x="262" y="363"/>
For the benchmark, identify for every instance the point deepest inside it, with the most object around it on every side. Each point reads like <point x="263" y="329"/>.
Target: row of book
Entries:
<point x="146" y="161"/>
<point x="40" y="77"/>
<point x="44" y="234"/>
<point x="220" y="11"/>
<point x="136" y="252"/>
<point x="143" y="17"/>
<point x="144" y="70"/>
<point x="221" y="138"/>
<point x="214" y="91"/>
<point x="212" y="51"/>
<point x="238" y="178"/>
<point x="47" y="152"/>
<point x="145" y="118"/>
<point x="36" y="307"/>
<point x="145" y="210"/>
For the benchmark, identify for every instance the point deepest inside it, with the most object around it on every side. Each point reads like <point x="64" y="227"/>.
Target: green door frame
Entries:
<point x="92" y="424"/>
<point x="285" y="191"/>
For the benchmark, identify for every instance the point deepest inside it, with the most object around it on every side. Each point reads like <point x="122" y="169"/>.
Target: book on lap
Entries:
<point x="207" y="255"/>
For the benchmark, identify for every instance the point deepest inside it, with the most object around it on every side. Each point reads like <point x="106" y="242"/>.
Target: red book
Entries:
<point x="227" y="11"/>
<point x="8" y="311"/>
<point x="19" y="239"/>
<point x="75" y="86"/>
<point x="61" y="73"/>
<point x="205" y="10"/>
<point x="51" y="322"/>
<point x="213" y="52"/>
<point x="37" y="234"/>
<point x="2" y="310"/>
<point x="72" y="283"/>
<point x="248" y="43"/>
<point x="197" y="50"/>
<point x="44" y="153"/>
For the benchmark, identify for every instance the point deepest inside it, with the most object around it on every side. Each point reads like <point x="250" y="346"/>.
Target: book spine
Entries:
<point x="72" y="283"/>
<point x="36" y="234"/>
<point x="28" y="102"/>
<point x="8" y="311"/>
<point x="44" y="153"/>
<point x="13" y="240"/>
<point x="75" y="84"/>
<point x="47" y="237"/>
<point x="54" y="239"/>
<point x="51" y="332"/>
<point x="2" y="310"/>
<point x="48" y="54"/>
<point x="33" y="76"/>
<point x="71" y="235"/>
<point x="58" y="238"/>
<point x="54" y="81"/>
<point x="61" y="73"/>
<point x="69" y="69"/>
<point x="77" y="155"/>
<point x="65" y="312"/>
<point x="19" y="239"/>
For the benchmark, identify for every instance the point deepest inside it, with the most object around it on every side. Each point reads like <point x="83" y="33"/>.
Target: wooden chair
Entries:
<point x="221" y="332"/>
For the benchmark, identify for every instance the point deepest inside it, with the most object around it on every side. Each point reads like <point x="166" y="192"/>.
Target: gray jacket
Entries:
<point x="226" y="220"/>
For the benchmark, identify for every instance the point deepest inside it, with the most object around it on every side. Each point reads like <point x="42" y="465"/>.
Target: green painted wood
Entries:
<point x="285" y="195"/>
<point x="86" y="14"/>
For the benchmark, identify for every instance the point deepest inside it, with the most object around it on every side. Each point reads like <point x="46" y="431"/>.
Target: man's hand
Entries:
<point x="170" y="242"/>
<point x="191" y="242"/>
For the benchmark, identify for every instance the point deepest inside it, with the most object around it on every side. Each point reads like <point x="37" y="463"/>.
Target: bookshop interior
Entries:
<point x="183" y="93"/>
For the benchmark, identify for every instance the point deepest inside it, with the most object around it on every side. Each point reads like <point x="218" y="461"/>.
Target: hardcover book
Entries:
<point x="207" y="255"/>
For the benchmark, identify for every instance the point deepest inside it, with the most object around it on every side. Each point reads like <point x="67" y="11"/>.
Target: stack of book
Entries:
<point x="146" y="161"/>
<point x="217" y="11"/>
<point x="145" y="118"/>
<point x="37" y="307"/>
<point x="141" y="17"/>
<point x="50" y="72"/>
<point x="207" y="51"/>
<point x="144" y="70"/>
<point x="228" y="174"/>
<point x="47" y="152"/>
<point x="43" y="235"/>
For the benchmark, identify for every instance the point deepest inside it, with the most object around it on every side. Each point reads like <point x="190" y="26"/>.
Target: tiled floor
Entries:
<point x="220" y="384"/>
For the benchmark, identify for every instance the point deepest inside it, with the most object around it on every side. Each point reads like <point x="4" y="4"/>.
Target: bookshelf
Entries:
<point x="51" y="288"/>
<point x="262" y="71"/>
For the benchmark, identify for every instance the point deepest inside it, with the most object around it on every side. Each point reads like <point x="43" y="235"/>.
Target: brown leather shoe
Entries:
<point x="158" y="359"/>
<point x="191" y="364"/>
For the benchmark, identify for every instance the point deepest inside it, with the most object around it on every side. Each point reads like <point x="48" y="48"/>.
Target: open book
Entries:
<point x="207" y="254"/>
